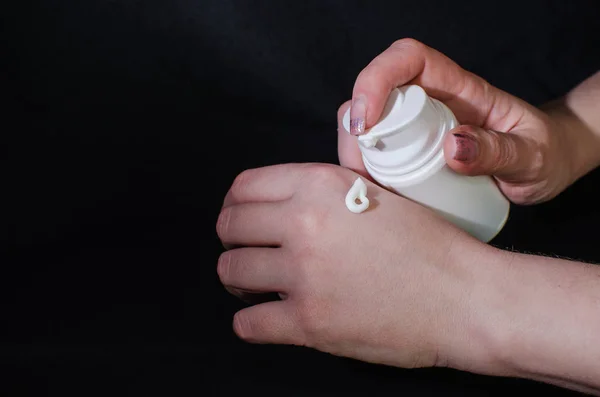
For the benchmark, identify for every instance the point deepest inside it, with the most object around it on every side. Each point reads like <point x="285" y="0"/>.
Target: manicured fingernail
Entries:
<point x="466" y="148"/>
<point x="358" y="114"/>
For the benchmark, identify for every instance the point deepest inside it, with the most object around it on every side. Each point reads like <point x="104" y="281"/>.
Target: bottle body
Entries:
<point x="404" y="153"/>
<point x="473" y="204"/>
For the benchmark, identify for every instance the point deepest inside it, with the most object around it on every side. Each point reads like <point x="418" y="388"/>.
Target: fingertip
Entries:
<point x="358" y="115"/>
<point x="366" y="108"/>
<point x="241" y="326"/>
<point x="349" y="153"/>
<point x="269" y="322"/>
<point x="371" y="92"/>
<point x="461" y="151"/>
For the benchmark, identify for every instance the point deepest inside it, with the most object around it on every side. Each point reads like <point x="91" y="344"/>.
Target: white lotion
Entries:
<point x="358" y="192"/>
<point x="404" y="152"/>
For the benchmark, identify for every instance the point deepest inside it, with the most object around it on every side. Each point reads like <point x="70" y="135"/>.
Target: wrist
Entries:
<point x="470" y="340"/>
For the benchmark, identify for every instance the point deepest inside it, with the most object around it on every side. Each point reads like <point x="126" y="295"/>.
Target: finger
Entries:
<point x="255" y="269"/>
<point x="474" y="151"/>
<point x="348" y="152"/>
<point x="403" y="62"/>
<point x="408" y="61"/>
<point x="251" y="224"/>
<point x="271" y="322"/>
<point x="272" y="183"/>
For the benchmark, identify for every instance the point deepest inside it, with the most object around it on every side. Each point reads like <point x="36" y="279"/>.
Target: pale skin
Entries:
<point x="399" y="286"/>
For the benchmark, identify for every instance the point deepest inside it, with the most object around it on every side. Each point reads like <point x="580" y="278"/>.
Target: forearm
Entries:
<point x="578" y="113"/>
<point x="584" y="102"/>
<point x="539" y="318"/>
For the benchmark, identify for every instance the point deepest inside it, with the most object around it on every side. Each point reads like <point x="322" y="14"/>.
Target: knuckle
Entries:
<point x="312" y="320"/>
<point x="239" y="184"/>
<point x="311" y="214"/>
<point x="324" y="175"/>
<point x="242" y="326"/>
<point x="375" y="77"/>
<point x="254" y="327"/>
<point x="307" y="221"/>
<point x="407" y="43"/>
<point x="364" y="75"/>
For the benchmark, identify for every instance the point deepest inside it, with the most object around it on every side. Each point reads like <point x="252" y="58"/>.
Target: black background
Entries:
<point x="124" y="125"/>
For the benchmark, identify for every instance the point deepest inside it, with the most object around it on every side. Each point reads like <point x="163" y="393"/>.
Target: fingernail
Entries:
<point x="466" y="148"/>
<point x="358" y="113"/>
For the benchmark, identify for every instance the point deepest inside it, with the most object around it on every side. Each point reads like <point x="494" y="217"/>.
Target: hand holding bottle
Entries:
<point x="534" y="154"/>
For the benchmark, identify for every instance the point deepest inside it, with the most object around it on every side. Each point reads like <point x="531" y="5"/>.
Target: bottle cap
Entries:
<point x="408" y="134"/>
<point x="402" y="106"/>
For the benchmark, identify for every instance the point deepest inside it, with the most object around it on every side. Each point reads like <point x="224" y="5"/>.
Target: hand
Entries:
<point x="397" y="285"/>
<point x="534" y="154"/>
<point x="392" y="285"/>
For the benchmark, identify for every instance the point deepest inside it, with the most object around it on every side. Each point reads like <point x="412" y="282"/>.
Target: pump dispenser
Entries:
<point x="404" y="153"/>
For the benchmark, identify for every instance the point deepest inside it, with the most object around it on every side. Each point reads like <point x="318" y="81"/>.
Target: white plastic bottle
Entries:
<point x="404" y="152"/>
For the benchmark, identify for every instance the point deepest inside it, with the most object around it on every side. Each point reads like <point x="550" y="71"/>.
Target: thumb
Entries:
<point x="474" y="151"/>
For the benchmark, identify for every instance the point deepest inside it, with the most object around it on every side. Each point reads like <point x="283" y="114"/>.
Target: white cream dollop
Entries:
<point x="358" y="191"/>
